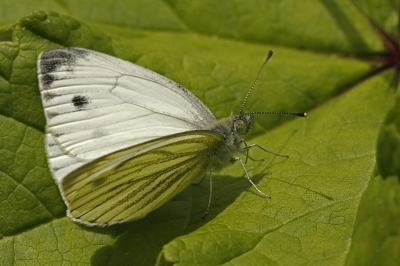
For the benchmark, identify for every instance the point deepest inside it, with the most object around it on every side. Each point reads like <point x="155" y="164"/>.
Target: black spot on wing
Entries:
<point x="80" y="101"/>
<point x="51" y="60"/>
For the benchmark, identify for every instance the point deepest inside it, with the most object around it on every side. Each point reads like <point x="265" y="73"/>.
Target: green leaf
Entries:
<point x="388" y="148"/>
<point x="330" y="204"/>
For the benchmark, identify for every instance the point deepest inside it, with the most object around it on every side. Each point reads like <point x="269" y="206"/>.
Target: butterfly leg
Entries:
<point x="209" y="199"/>
<point x="248" y="177"/>
<point x="264" y="149"/>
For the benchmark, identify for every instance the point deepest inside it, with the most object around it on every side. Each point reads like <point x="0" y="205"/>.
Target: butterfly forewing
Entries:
<point x="97" y="104"/>
<point x="130" y="183"/>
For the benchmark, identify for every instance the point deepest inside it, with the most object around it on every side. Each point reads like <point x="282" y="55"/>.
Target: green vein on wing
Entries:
<point x="130" y="183"/>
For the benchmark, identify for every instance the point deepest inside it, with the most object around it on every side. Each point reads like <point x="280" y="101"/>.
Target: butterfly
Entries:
<point x="122" y="140"/>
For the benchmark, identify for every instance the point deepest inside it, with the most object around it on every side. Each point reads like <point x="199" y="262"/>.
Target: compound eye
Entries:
<point x="240" y="126"/>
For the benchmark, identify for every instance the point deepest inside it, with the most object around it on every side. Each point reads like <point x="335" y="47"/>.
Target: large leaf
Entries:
<point x="331" y="205"/>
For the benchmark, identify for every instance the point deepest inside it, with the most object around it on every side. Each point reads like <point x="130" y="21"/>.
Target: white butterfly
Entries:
<point x="122" y="140"/>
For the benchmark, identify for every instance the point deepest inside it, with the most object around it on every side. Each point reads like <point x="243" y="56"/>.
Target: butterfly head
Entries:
<point x="242" y="123"/>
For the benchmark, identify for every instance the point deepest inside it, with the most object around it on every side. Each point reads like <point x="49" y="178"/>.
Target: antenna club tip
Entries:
<point x="300" y="114"/>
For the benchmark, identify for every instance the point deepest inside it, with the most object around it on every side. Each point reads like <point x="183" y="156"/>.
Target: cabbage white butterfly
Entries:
<point x="122" y="140"/>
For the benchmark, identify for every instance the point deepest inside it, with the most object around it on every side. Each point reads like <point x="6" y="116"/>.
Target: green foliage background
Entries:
<point x="334" y="202"/>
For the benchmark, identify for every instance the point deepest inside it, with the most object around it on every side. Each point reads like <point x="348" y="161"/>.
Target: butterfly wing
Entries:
<point x="130" y="183"/>
<point x="96" y="104"/>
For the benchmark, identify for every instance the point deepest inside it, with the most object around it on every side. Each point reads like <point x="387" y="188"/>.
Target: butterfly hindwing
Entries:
<point x="130" y="183"/>
<point x="96" y="104"/>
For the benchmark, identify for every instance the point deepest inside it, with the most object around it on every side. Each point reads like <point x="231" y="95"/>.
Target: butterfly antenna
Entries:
<point x="256" y="80"/>
<point x="279" y="113"/>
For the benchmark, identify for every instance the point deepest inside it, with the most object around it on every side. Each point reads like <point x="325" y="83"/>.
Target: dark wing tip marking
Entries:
<point x="51" y="115"/>
<point x="66" y="53"/>
<point x="46" y="80"/>
<point x="47" y="66"/>
<point x="48" y="96"/>
<point x="51" y="60"/>
<point x="80" y="101"/>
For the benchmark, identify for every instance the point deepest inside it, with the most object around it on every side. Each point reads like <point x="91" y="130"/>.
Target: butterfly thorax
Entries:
<point x="232" y="128"/>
